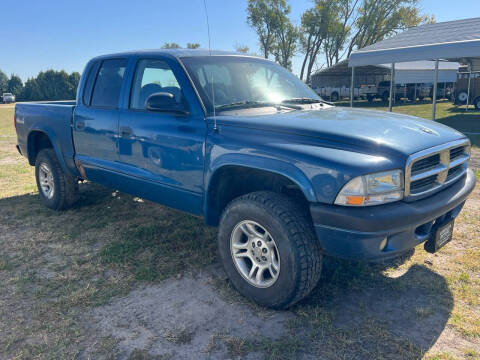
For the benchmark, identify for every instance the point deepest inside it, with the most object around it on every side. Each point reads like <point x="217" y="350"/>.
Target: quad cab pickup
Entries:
<point x="239" y="140"/>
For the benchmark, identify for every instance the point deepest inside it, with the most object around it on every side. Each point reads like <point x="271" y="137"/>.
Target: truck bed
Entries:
<point x="54" y="119"/>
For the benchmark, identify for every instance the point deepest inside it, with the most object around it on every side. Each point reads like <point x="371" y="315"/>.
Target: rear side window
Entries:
<point x="106" y="91"/>
<point x="87" y="91"/>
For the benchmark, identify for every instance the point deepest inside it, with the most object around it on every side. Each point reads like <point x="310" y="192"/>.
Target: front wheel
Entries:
<point x="268" y="249"/>
<point x="57" y="190"/>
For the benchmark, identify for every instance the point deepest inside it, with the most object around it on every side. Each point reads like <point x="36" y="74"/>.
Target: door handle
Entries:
<point x="126" y="132"/>
<point x="80" y="125"/>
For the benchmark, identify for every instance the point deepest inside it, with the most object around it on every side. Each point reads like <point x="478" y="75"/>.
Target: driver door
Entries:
<point x="162" y="150"/>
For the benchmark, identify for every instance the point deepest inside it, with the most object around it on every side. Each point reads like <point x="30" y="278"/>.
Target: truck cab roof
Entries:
<point x="174" y="53"/>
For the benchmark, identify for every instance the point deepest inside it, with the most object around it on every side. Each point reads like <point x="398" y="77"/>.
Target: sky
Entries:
<point x="65" y="34"/>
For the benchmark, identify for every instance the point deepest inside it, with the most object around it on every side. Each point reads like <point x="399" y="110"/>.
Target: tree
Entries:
<point x="377" y="20"/>
<point x="3" y="82"/>
<point x="193" y="45"/>
<point x="31" y="91"/>
<point x="265" y="17"/>
<point x="51" y="85"/>
<point x="340" y="26"/>
<point x="15" y="85"/>
<point x="172" y="45"/>
<point x="285" y="44"/>
<point x="73" y="80"/>
<point x="313" y="30"/>
<point x="241" y="48"/>
<point x="339" y="29"/>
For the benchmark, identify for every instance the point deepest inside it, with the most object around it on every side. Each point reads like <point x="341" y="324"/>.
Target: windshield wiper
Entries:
<point x="250" y="103"/>
<point x="305" y="100"/>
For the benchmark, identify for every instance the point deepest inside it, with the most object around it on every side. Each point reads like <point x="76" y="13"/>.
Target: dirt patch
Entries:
<point x="475" y="158"/>
<point x="183" y="318"/>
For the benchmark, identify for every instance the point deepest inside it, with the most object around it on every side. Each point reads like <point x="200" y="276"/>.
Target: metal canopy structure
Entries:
<point x="451" y="41"/>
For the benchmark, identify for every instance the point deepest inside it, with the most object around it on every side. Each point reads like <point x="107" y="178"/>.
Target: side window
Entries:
<point x="87" y="90"/>
<point x="153" y="76"/>
<point x="106" y="91"/>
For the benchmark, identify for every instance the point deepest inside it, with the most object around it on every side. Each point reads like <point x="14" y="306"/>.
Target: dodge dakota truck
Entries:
<point x="287" y="177"/>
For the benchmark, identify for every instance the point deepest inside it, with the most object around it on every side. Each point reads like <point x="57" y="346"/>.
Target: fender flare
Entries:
<point x="264" y="163"/>
<point x="53" y="140"/>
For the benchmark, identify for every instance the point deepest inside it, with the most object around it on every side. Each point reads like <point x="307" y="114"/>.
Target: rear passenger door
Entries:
<point x="95" y="124"/>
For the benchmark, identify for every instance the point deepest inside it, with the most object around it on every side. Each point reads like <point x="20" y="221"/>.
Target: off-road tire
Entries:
<point x="65" y="185"/>
<point x="298" y="247"/>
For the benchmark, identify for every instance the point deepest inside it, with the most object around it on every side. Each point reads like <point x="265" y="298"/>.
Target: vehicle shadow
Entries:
<point x="385" y="309"/>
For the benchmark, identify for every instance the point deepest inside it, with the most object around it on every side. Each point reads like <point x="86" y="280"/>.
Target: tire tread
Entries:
<point x="300" y="233"/>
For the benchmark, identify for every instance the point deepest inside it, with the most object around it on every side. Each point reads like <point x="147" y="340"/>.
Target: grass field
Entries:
<point x="119" y="277"/>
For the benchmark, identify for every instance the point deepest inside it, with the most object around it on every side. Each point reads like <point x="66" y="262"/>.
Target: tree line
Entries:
<point x="328" y="31"/>
<point x="48" y="85"/>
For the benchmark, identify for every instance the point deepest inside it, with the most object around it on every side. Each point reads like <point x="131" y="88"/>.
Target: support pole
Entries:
<point x="352" y="84"/>
<point x="392" y="80"/>
<point x="415" y="94"/>
<point x="435" y="81"/>
<point x="468" y="89"/>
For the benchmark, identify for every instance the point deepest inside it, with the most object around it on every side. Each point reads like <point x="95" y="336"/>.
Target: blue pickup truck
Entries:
<point x="239" y="140"/>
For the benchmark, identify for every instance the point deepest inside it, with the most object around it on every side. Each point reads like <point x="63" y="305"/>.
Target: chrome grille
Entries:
<point x="456" y="152"/>
<point x="429" y="170"/>
<point x="427" y="163"/>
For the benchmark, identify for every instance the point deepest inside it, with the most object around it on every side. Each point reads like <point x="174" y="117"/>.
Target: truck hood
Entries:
<point x="350" y="129"/>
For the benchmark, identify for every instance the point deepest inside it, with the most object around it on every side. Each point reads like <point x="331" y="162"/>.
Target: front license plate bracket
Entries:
<point x="441" y="236"/>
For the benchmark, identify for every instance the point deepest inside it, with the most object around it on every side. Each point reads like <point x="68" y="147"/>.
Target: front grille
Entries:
<point x="426" y="163"/>
<point x="429" y="170"/>
<point x="456" y="152"/>
<point x="454" y="171"/>
<point x="422" y="184"/>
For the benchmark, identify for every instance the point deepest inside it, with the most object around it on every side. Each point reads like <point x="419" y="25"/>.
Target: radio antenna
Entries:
<point x="211" y="80"/>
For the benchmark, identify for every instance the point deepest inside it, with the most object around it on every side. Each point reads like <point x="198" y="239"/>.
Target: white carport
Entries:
<point x="423" y="72"/>
<point x="457" y="41"/>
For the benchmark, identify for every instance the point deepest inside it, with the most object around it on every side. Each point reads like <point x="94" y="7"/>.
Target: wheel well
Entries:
<point x="37" y="141"/>
<point x="230" y="182"/>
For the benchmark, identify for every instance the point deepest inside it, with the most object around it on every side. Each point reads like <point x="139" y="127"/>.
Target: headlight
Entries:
<point x="373" y="189"/>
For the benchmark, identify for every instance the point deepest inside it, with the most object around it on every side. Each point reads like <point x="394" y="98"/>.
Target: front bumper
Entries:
<point x="357" y="233"/>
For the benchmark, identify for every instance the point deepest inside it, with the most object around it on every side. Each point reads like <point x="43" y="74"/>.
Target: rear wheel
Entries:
<point x="57" y="190"/>
<point x="268" y="249"/>
<point x="385" y="96"/>
<point x="476" y="103"/>
<point x="462" y="97"/>
<point x="334" y="97"/>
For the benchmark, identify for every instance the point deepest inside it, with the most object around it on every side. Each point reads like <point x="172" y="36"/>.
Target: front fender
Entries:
<point x="266" y="164"/>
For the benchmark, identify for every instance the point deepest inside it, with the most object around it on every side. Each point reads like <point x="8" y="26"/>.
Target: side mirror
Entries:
<point x="164" y="102"/>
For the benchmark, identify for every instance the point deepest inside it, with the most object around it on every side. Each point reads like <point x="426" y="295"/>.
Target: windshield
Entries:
<point x="245" y="81"/>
